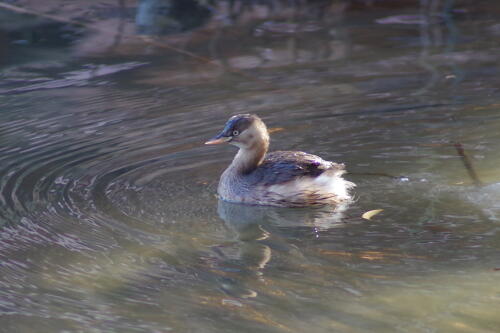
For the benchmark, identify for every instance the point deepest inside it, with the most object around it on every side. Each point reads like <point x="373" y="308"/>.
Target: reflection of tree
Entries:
<point x="158" y="17"/>
<point x="238" y="35"/>
<point x="433" y="36"/>
<point x="284" y="34"/>
<point x="290" y="32"/>
<point x="121" y="26"/>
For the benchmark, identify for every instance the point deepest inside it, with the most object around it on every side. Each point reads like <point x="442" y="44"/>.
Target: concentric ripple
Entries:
<point x="68" y="183"/>
<point x="71" y="169"/>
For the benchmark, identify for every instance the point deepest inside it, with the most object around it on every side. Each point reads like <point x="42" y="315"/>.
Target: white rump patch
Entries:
<point x="329" y="183"/>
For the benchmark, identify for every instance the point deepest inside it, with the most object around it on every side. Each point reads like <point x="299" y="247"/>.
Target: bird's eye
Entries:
<point x="236" y="133"/>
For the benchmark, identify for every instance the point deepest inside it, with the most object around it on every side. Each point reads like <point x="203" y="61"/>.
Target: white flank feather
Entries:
<point x="329" y="183"/>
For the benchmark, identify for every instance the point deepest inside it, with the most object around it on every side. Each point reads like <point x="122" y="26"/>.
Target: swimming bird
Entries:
<point x="281" y="178"/>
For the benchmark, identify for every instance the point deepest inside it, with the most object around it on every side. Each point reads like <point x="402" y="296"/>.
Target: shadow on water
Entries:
<point x="108" y="215"/>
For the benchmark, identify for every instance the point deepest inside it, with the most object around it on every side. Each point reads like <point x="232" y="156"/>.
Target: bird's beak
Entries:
<point x="218" y="140"/>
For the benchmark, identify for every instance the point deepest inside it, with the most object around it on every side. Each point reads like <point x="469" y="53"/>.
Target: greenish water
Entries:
<point x="108" y="215"/>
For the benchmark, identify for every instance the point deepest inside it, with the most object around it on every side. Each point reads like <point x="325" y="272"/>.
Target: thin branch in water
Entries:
<point x="467" y="164"/>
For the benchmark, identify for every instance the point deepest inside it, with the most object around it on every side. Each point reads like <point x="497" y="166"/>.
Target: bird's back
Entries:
<point x="284" y="166"/>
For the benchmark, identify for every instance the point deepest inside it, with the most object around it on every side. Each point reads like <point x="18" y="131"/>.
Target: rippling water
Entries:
<point x="108" y="215"/>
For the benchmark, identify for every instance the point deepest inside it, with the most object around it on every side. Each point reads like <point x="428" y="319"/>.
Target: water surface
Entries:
<point x="108" y="216"/>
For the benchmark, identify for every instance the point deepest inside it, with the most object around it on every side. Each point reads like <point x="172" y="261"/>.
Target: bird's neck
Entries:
<point x="249" y="158"/>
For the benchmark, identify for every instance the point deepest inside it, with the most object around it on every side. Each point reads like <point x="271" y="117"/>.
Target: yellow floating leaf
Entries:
<point x="371" y="213"/>
<point x="275" y="129"/>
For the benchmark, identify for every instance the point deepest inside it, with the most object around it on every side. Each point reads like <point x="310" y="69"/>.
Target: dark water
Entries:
<point x="108" y="215"/>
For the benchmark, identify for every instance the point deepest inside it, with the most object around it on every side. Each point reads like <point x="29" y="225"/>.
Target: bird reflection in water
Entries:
<point x="260" y="230"/>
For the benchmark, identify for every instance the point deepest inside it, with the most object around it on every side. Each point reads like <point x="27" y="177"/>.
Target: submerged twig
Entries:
<point x="467" y="164"/>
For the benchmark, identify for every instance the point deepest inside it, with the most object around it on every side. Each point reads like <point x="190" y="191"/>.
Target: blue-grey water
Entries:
<point x="108" y="216"/>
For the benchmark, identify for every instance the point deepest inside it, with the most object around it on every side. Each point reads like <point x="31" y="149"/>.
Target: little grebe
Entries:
<point x="282" y="178"/>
